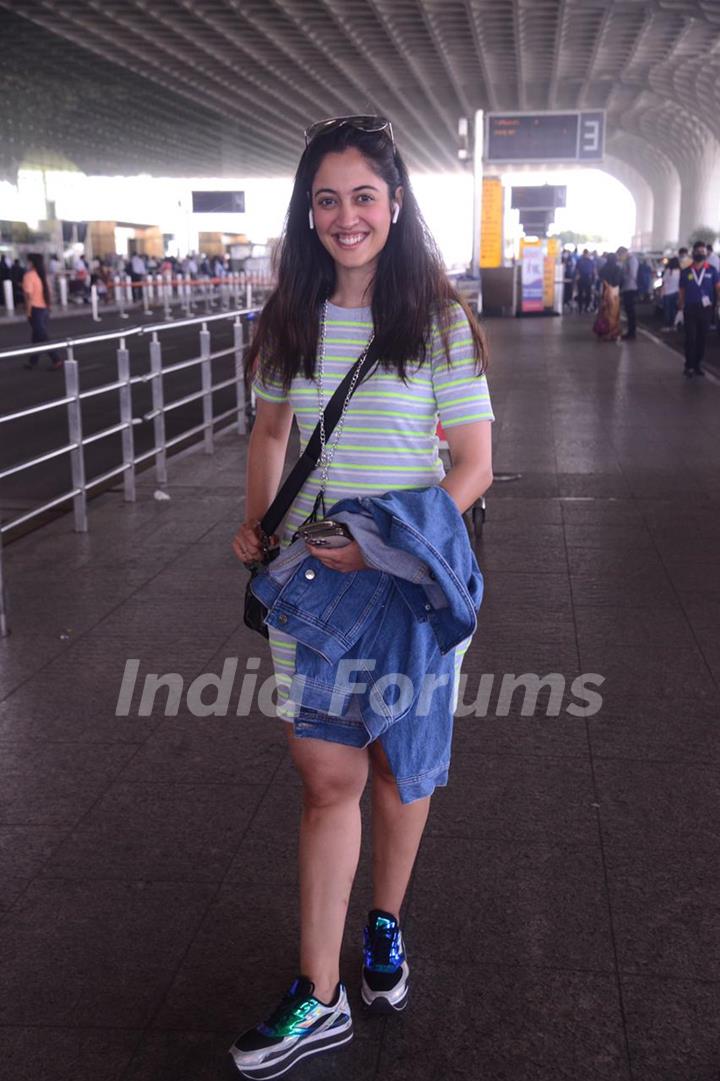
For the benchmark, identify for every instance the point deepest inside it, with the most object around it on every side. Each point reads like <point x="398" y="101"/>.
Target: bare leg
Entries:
<point x="334" y="777"/>
<point x="397" y="829"/>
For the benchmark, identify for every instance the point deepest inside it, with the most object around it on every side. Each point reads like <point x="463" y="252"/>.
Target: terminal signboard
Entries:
<point x="545" y="137"/>
<point x="538" y="197"/>
<point x="218" y="202"/>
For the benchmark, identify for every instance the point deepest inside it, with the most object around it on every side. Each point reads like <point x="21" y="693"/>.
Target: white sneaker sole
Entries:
<point x="311" y="1045"/>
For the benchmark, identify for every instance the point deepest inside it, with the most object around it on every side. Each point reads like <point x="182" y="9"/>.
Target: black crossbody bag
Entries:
<point x="255" y="611"/>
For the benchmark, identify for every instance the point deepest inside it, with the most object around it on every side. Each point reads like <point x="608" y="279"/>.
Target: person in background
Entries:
<point x="685" y="260"/>
<point x="17" y="271"/>
<point x="669" y="292"/>
<point x="54" y="268"/>
<point x="4" y="276"/>
<point x="584" y="273"/>
<point x="37" y="307"/>
<point x="568" y="279"/>
<point x="137" y="274"/>
<point x="699" y="290"/>
<point x="629" y="289"/>
<point x="607" y="321"/>
<point x="644" y="280"/>
<point x="714" y="260"/>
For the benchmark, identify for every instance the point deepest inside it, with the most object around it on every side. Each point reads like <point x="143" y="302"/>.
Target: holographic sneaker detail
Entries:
<point x="300" y="1026"/>
<point x="386" y="973"/>
<point x="383" y="950"/>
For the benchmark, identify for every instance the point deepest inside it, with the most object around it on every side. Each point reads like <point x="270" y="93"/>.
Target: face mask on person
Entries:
<point x="698" y="256"/>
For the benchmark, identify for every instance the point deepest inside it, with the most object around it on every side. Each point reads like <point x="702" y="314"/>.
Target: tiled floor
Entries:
<point x="563" y="921"/>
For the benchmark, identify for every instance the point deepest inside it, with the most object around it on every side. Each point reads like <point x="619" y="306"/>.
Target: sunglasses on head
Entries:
<point x="361" y="123"/>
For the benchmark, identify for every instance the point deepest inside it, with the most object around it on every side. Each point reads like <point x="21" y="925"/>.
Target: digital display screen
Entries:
<point x="525" y="137"/>
<point x="539" y="197"/>
<point x="218" y="202"/>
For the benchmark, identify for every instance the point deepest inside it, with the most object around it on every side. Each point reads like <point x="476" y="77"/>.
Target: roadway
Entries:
<point x="31" y="437"/>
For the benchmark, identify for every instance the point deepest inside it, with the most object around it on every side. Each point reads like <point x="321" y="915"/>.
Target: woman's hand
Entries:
<point x="348" y="558"/>
<point x="247" y="544"/>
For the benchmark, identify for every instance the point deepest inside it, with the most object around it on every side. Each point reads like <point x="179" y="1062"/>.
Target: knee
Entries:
<point x="326" y="790"/>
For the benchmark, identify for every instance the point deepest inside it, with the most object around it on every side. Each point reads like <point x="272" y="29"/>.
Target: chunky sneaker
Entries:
<point x="386" y="971"/>
<point x="300" y="1026"/>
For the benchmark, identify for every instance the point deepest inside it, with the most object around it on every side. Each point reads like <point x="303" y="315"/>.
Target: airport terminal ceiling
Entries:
<point x="222" y="87"/>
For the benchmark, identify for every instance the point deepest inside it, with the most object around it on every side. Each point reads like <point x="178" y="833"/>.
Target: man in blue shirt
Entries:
<point x="699" y="291"/>
<point x="584" y="272"/>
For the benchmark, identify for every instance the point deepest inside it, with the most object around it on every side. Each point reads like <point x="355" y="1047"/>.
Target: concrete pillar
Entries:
<point x="666" y="212"/>
<point x="700" y="189"/>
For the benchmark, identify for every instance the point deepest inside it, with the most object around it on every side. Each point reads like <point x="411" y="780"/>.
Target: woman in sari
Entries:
<point x="607" y="323"/>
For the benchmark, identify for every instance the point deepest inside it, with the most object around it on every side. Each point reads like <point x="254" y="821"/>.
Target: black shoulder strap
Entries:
<point x="310" y="457"/>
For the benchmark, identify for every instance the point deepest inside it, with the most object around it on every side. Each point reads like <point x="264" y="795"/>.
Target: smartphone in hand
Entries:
<point x="326" y="534"/>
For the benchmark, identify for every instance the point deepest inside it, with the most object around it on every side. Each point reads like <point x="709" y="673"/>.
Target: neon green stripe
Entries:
<point x="448" y="403"/>
<point x="465" y="420"/>
<point x="370" y="413"/>
<point x="371" y="467"/>
<point x="384" y="449"/>
<point x="267" y="396"/>
<point x="458" y="382"/>
<point x="387" y="431"/>
<point x="348" y="323"/>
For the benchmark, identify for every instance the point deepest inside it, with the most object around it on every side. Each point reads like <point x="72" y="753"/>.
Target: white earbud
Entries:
<point x="396" y="213"/>
<point x="311" y="219"/>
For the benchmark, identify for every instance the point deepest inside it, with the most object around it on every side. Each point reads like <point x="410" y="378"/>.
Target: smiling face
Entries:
<point x="352" y="210"/>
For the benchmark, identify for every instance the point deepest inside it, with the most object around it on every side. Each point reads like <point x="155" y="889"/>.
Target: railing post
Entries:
<point x="126" y="417"/>
<point x="9" y="298"/>
<point x="63" y="291"/>
<point x="206" y="370"/>
<point x="239" y="343"/>
<point x="94" y="302"/>
<point x="248" y="292"/>
<point x="128" y="289"/>
<point x="77" y="454"/>
<point x="145" y="287"/>
<point x="4" y="629"/>
<point x="158" y="400"/>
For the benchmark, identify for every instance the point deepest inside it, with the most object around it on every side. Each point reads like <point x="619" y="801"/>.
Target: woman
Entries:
<point x="356" y="259"/>
<point x="607" y="322"/>
<point x="37" y="308"/>
<point x="670" y="291"/>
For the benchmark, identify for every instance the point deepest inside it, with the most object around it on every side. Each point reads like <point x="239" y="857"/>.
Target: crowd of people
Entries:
<point x="82" y="273"/>
<point x="685" y="285"/>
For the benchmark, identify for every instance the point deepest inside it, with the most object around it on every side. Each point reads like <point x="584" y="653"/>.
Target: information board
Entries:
<point x="545" y="137"/>
<point x="532" y="272"/>
<point x="491" y="246"/>
<point x="218" y="202"/>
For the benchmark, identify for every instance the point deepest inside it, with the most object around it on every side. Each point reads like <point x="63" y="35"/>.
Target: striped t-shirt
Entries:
<point x="389" y="436"/>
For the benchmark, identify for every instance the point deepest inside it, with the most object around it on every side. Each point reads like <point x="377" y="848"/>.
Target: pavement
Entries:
<point x="563" y="919"/>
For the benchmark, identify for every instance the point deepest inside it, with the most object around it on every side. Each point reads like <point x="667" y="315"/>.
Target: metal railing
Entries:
<point x="164" y="291"/>
<point x="73" y="399"/>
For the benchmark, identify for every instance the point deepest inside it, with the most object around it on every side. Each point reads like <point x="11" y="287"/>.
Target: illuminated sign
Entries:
<point x="491" y="239"/>
<point x="545" y="137"/>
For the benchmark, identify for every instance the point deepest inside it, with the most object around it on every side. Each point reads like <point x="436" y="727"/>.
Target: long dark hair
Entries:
<point x="411" y="290"/>
<point x="38" y="263"/>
